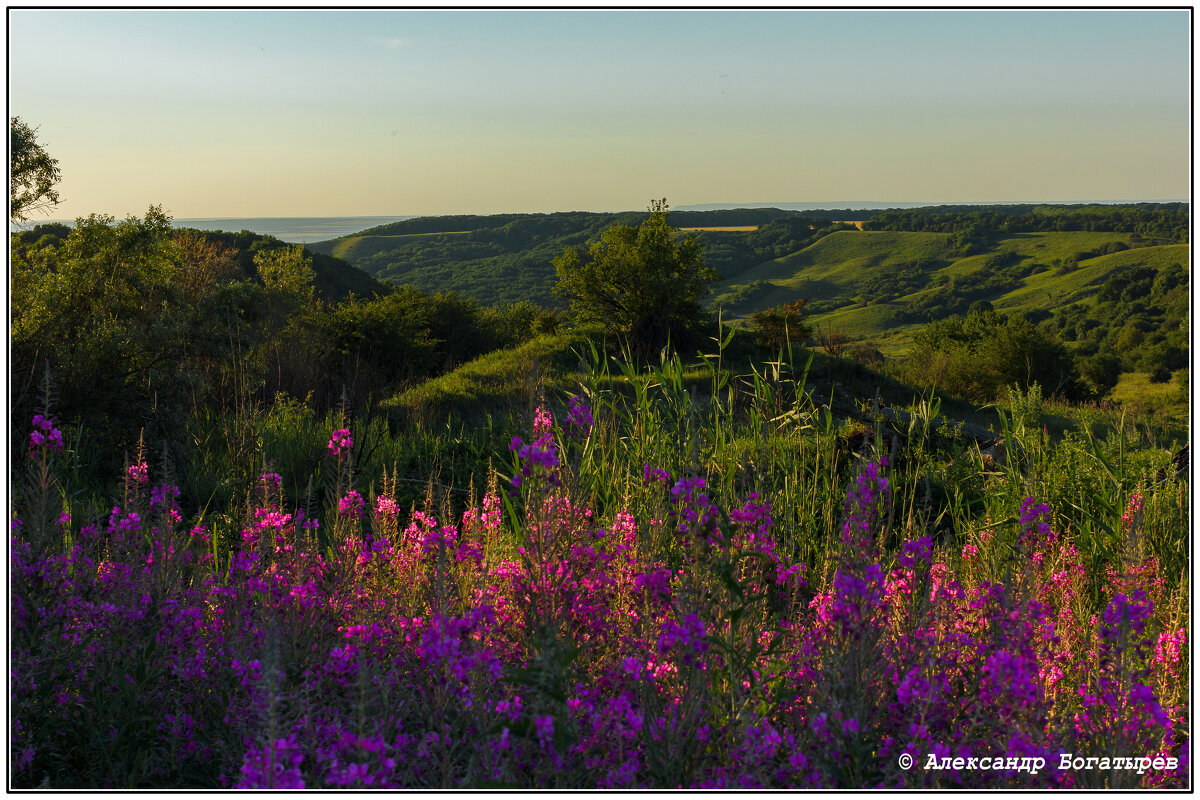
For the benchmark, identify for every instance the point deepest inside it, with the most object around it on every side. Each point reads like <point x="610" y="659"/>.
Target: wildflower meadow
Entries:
<point x="646" y="588"/>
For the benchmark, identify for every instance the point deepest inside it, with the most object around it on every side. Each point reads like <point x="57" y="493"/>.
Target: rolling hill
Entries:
<point x="883" y="285"/>
<point x="905" y="269"/>
<point x="507" y="257"/>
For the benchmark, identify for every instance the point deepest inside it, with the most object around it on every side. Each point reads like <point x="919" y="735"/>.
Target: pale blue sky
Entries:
<point x="322" y="113"/>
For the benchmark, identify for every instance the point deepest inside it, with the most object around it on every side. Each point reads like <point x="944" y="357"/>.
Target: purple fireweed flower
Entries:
<point x="1010" y="681"/>
<point x="386" y="509"/>
<point x="137" y="473"/>
<point x="753" y="515"/>
<point x="351" y="505"/>
<point x="275" y="765"/>
<point x="1130" y="515"/>
<point x="656" y="581"/>
<point x="1125" y="616"/>
<point x="540" y="458"/>
<point x="1142" y="699"/>
<point x="44" y="434"/>
<point x="653" y="475"/>
<point x="916" y="551"/>
<point x="340" y="442"/>
<point x="542" y="421"/>
<point x="688" y="635"/>
<point x="163" y="497"/>
<point x="545" y="730"/>
<point x="1035" y="523"/>
<point x="855" y="599"/>
<point x="866" y="498"/>
<point x="579" y="415"/>
<point x="914" y="687"/>
<point x="692" y="507"/>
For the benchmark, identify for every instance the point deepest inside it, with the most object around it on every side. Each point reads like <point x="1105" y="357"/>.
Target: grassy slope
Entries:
<point x="834" y="270"/>
<point x="504" y="379"/>
<point x="516" y="379"/>
<point x="836" y="265"/>
<point x="832" y="267"/>
<point x="1136" y="392"/>
<point x="351" y="248"/>
<point x="1047" y="289"/>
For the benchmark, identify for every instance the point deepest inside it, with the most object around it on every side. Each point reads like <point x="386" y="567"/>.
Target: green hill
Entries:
<point x="882" y="285"/>
<point x="833" y="271"/>
<point x="507" y="257"/>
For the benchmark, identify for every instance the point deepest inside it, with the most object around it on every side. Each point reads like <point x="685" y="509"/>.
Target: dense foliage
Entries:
<point x="1139" y="317"/>
<point x="779" y="327"/>
<point x="32" y="172"/>
<point x="644" y="284"/>
<point x="142" y="328"/>
<point x="980" y="355"/>
<point x="973" y="225"/>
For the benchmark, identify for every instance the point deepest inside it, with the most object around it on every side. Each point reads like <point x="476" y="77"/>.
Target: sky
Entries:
<point x="243" y="113"/>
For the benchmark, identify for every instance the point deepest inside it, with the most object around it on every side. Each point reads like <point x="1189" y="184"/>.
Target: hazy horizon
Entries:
<point x="230" y="114"/>
<point x="318" y="228"/>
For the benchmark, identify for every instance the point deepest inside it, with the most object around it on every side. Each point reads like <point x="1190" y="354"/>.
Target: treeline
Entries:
<point x="562" y="222"/>
<point x="973" y="225"/>
<point x="142" y="328"/>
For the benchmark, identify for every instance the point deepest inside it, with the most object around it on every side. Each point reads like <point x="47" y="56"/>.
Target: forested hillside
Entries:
<point x="506" y="257"/>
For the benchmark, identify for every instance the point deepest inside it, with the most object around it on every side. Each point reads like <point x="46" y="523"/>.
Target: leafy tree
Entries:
<point x="1101" y="371"/>
<point x="1160" y="374"/>
<point x="643" y="283"/>
<point x="378" y="343"/>
<point x="33" y="175"/>
<point x="287" y="270"/>
<point x="101" y="311"/>
<point x="978" y="356"/>
<point x="980" y="307"/>
<point x="780" y="325"/>
<point x="292" y="340"/>
<point x="205" y="264"/>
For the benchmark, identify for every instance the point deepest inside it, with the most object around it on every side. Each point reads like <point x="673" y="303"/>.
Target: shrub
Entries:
<point x="779" y="327"/>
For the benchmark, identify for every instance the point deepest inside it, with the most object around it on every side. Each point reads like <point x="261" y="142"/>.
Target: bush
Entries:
<point x="778" y="327"/>
<point x="1160" y="374"/>
<point x="978" y="356"/>
<point x="1101" y="372"/>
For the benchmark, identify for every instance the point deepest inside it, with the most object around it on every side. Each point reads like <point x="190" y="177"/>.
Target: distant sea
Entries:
<point x="288" y="229"/>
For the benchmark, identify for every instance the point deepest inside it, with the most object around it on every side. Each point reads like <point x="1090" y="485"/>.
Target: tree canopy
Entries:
<point x="34" y="173"/>
<point x="978" y="356"/>
<point x="643" y="283"/>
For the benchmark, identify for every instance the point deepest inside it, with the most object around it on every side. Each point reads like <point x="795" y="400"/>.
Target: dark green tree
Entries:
<point x="781" y="325"/>
<point x="976" y="357"/>
<point x="642" y="283"/>
<point x="33" y="175"/>
<point x="1101" y="371"/>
